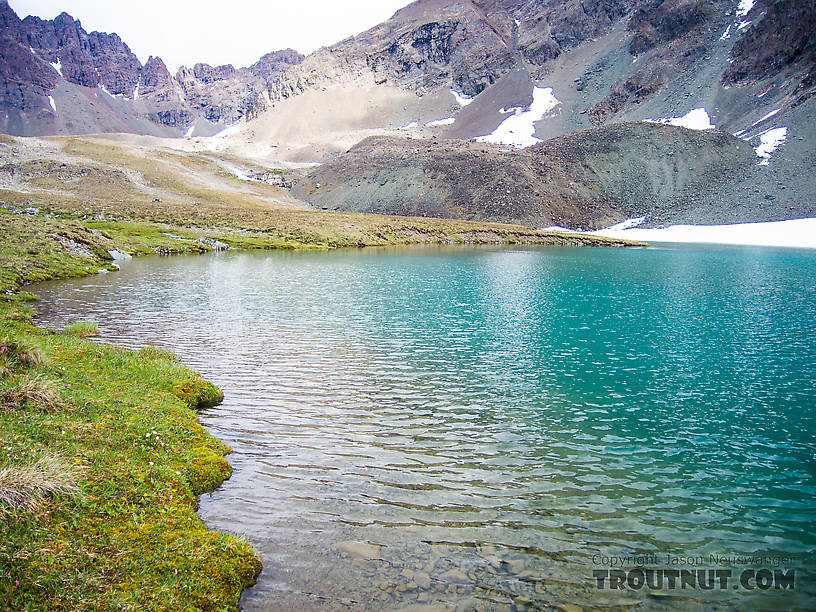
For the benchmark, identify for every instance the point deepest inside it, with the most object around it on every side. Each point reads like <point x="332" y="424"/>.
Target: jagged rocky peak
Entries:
<point x="155" y="77"/>
<point x="465" y="44"/>
<point x="117" y="66"/>
<point x="208" y="74"/>
<point x="37" y="55"/>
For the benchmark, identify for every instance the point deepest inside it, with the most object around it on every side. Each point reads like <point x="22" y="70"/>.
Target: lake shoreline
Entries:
<point x="381" y="400"/>
<point x="84" y="519"/>
<point x="123" y="458"/>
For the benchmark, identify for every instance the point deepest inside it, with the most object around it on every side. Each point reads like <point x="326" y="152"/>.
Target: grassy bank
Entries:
<point x="101" y="459"/>
<point x="101" y="453"/>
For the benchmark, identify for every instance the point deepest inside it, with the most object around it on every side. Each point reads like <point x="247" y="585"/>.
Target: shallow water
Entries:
<point x="471" y="428"/>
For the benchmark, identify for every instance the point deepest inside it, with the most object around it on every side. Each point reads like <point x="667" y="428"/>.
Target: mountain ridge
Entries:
<point x="443" y="74"/>
<point x="42" y="61"/>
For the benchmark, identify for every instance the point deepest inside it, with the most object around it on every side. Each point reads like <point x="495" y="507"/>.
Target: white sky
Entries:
<point x="238" y="32"/>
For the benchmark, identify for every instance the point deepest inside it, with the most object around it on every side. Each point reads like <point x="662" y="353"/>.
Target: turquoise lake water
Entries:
<point x="485" y="428"/>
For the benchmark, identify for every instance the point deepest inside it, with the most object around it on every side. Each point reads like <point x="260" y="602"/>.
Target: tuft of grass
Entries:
<point x="153" y="352"/>
<point x="82" y="329"/>
<point x="22" y="486"/>
<point x="35" y="392"/>
<point x="21" y="352"/>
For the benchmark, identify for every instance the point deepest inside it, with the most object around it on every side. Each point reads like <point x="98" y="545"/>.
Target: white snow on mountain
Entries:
<point x="768" y="116"/>
<point x="461" y="99"/>
<point x="696" y="119"/>
<point x="745" y="7"/>
<point x="799" y="233"/>
<point x="441" y="122"/>
<point x="518" y="130"/>
<point x="770" y="141"/>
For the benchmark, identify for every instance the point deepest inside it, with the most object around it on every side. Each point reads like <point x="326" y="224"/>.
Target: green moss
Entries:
<point x="207" y="470"/>
<point x="130" y="538"/>
<point x="198" y="394"/>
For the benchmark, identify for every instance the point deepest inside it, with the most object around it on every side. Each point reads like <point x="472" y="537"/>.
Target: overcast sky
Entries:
<point x="234" y="32"/>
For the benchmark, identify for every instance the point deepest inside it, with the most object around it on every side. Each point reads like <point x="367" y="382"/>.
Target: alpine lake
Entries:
<point x="503" y="428"/>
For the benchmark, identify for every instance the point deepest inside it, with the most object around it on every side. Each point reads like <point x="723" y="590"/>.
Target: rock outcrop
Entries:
<point x="784" y="41"/>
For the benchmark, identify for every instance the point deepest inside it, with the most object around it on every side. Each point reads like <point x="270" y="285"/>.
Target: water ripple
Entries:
<point x="465" y="429"/>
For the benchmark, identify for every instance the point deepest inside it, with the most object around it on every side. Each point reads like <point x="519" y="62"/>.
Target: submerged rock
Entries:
<point x="361" y="550"/>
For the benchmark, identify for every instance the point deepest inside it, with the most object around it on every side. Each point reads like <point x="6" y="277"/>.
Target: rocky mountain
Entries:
<point x="516" y="73"/>
<point x="57" y="78"/>
<point x="448" y="84"/>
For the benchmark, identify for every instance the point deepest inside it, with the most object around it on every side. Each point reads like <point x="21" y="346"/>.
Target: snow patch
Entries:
<point x="743" y="24"/>
<point x="236" y="171"/>
<point x="696" y="119"/>
<point x="799" y="233"/>
<point x="53" y="104"/>
<point x="103" y="88"/>
<point x="768" y="116"/>
<point x="745" y="7"/>
<point x="770" y="141"/>
<point x="439" y="122"/>
<point x="517" y="130"/>
<point x="30" y="48"/>
<point x="727" y="34"/>
<point x="189" y="133"/>
<point x="57" y="66"/>
<point x="628" y="224"/>
<point x="409" y="126"/>
<point x="135" y="94"/>
<point x="461" y="99"/>
<point x="231" y="130"/>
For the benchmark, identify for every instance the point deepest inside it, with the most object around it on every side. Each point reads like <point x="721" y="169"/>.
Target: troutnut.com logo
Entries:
<point x="679" y="572"/>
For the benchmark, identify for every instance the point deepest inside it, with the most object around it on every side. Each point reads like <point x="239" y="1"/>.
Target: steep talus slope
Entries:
<point x="590" y="179"/>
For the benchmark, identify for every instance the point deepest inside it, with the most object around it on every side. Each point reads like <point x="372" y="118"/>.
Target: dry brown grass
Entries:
<point x="21" y="487"/>
<point x="31" y="391"/>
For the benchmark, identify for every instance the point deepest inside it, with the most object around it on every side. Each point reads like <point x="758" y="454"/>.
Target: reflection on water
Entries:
<point x="467" y="429"/>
